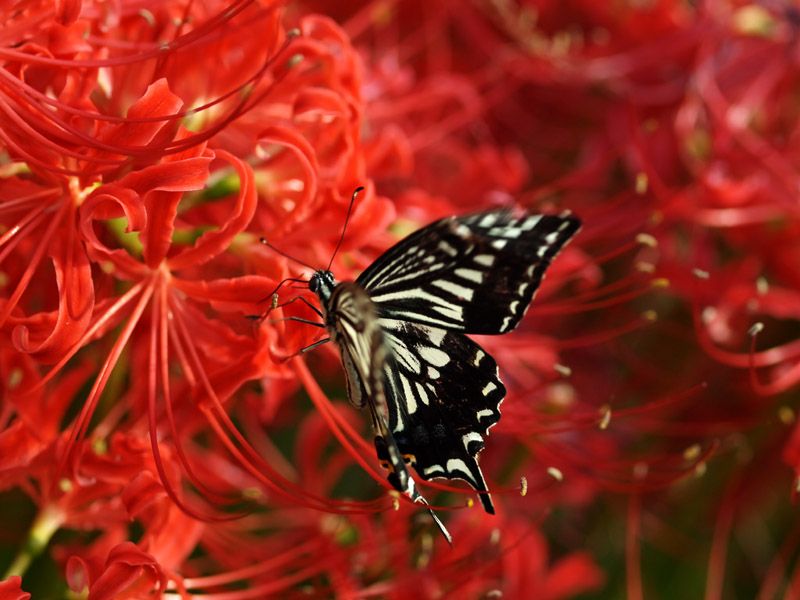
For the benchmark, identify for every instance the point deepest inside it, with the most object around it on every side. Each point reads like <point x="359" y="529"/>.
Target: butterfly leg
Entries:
<point x="304" y="301"/>
<point x="314" y="345"/>
<point x="302" y="320"/>
<point x="275" y="305"/>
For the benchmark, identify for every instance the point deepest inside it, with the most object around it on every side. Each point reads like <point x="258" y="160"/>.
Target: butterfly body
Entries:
<point x="432" y="392"/>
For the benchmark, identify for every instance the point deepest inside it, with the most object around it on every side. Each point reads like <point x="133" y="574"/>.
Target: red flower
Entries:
<point x="11" y="589"/>
<point x="127" y="573"/>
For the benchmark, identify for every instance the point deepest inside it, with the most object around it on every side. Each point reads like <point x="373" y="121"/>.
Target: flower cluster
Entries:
<point x="158" y="439"/>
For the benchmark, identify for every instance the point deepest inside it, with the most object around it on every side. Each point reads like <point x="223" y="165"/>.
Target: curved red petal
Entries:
<point x="48" y="341"/>
<point x="241" y="294"/>
<point x="165" y="185"/>
<point x="213" y="243"/>
<point x="111" y="201"/>
<point x="11" y="589"/>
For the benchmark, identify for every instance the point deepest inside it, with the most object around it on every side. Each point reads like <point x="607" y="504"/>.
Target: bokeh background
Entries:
<point x="157" y="440"/>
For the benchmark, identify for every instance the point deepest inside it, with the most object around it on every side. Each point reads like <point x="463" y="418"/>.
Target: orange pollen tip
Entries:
<point x="692" y="452"/>
<point x="786" y="415"/>
<point x="605" y="417"/>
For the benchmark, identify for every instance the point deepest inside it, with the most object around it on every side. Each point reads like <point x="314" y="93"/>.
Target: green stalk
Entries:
<point x="46" y="524"/>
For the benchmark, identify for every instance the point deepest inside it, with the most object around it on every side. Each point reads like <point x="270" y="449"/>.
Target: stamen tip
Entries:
<point x="700" y="469"/>
<point x="786" y="415"/>
<point x="642" y="183"/>
<point x="563" y="370"/>
<point x="605" y="417"/>
<point x="692" y="452"/>
<point x="762" y="286"/>
<point x="645" y="239"/>
<point x="555" y="473"/>
<point x="645" y="267"/>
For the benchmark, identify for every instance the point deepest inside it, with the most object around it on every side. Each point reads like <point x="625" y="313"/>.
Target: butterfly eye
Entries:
<point x="313" y="284"/>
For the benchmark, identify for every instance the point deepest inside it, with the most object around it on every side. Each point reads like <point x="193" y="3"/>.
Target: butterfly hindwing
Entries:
<point x="474" y="274"/>
<point x="443" y="394"/>
<point x="360" y="337"/>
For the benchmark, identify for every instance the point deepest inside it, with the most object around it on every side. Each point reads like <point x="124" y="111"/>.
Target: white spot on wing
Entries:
<point x="489" y="387"/>
<point x="434" y="356"/>
<point x="551" y="238"/>
<point x="433" y="373"/>
<point x="472" y="436"/>
<point x="447" y="248"/>
<point x="486" y="412"/>
<point x="459" y="291"/>
<point x="451" y="311"/>
<point x="456" y="464"/>
<point x="488" y="220"/>
<point x="478" y="358"/>
<point x="408" y="396"/>
<point x="433" y="469"/>
<point x="435" y="335"/>
<point x="470" y="275"/>
<point x="499" y="244"/>
<point x="463" y="231"/>
<point x="487" y="260"/>
<point x="530" y="222"/>
<point x="423" y="395"/>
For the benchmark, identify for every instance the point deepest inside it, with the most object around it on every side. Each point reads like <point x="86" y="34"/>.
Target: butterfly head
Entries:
<point x="322" y="284"/>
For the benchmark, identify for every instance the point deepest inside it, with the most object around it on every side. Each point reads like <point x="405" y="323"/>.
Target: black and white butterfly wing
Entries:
<point x="474" y="274"/>
<point x="360" y="338"/>
<point x="443" y="394"/>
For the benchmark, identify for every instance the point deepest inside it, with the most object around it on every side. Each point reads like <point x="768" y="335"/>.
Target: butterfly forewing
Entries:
<point x="474" y="274"/>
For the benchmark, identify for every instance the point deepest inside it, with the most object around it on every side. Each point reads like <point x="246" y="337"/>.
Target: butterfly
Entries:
<point x="432" y="392"/>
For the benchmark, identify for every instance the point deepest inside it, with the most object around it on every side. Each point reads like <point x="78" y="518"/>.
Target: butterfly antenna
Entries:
<point x="264" y="241"/>
<point x="356" y="192"/>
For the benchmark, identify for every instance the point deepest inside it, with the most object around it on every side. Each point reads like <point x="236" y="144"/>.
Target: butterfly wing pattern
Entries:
<point x="357" y="331"/>
<point x="409" y="357"/>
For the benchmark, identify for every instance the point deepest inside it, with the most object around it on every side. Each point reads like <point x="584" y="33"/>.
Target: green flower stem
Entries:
<point x="43" y="528"/>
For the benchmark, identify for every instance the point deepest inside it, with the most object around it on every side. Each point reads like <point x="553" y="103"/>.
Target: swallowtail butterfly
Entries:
<point x="431" y="391"/>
